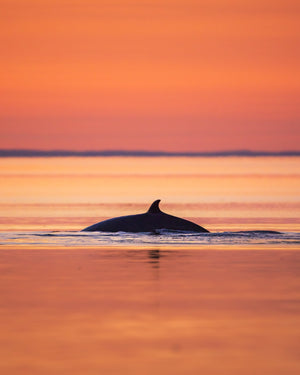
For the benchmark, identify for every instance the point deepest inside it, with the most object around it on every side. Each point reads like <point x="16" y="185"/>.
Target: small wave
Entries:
<point x="162" y="238"/>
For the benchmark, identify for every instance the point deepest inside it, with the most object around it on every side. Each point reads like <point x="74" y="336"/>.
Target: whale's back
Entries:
<point x="147" y="222"/>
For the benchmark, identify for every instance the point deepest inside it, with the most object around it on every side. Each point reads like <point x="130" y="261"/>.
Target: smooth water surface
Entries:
<point x="149" y="311"/>
<point x="221" y="194"/>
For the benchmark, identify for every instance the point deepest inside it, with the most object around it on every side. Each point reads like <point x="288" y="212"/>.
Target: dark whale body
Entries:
<point x="150" y="221"/>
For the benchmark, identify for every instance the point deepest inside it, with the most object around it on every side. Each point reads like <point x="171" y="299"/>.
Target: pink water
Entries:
<point x="224" y="303"/>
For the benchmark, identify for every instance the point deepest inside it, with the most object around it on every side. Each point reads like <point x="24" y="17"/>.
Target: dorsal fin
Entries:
<point x="154" y="209"/>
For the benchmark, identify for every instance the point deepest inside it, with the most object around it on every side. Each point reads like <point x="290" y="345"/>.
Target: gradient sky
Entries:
<point x="177" y="75"/>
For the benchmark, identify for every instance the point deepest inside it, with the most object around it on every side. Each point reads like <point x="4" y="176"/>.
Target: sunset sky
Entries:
<point x="174" y="75"/>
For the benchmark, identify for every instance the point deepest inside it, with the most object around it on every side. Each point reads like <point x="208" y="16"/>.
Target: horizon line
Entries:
<point x="140" y="153"/>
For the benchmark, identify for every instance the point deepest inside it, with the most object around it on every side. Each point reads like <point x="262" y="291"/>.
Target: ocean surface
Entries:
<point x="47" y="201"/>
<point x="224" y="302"/>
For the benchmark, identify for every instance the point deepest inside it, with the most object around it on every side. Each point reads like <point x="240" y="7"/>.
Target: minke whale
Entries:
<point x="152" y="220"/>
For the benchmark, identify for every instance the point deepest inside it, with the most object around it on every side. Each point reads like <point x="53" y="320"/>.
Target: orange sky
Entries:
<point x="180" y="75"/>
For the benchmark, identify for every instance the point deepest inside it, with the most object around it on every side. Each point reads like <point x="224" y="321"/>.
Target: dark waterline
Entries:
<point x="142" y="153"/>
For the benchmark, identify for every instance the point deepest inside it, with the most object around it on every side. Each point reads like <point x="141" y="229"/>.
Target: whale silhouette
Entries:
<point x="150" y="221"/>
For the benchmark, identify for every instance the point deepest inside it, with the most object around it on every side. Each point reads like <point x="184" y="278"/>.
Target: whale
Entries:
<point x="151" y="221"/>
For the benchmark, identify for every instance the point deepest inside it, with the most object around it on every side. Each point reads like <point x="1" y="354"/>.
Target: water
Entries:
<point x="161" y="238"/>
<point x="225" y="302"/>
<point x="222" y="194"/>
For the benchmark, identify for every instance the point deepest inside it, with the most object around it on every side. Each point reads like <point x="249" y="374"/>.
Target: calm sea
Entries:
<point x="226" y="302"/>
<point x="48" y="200"/>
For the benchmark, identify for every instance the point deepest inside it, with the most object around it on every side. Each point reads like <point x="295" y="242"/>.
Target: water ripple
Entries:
<point x="161" y="238"/>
